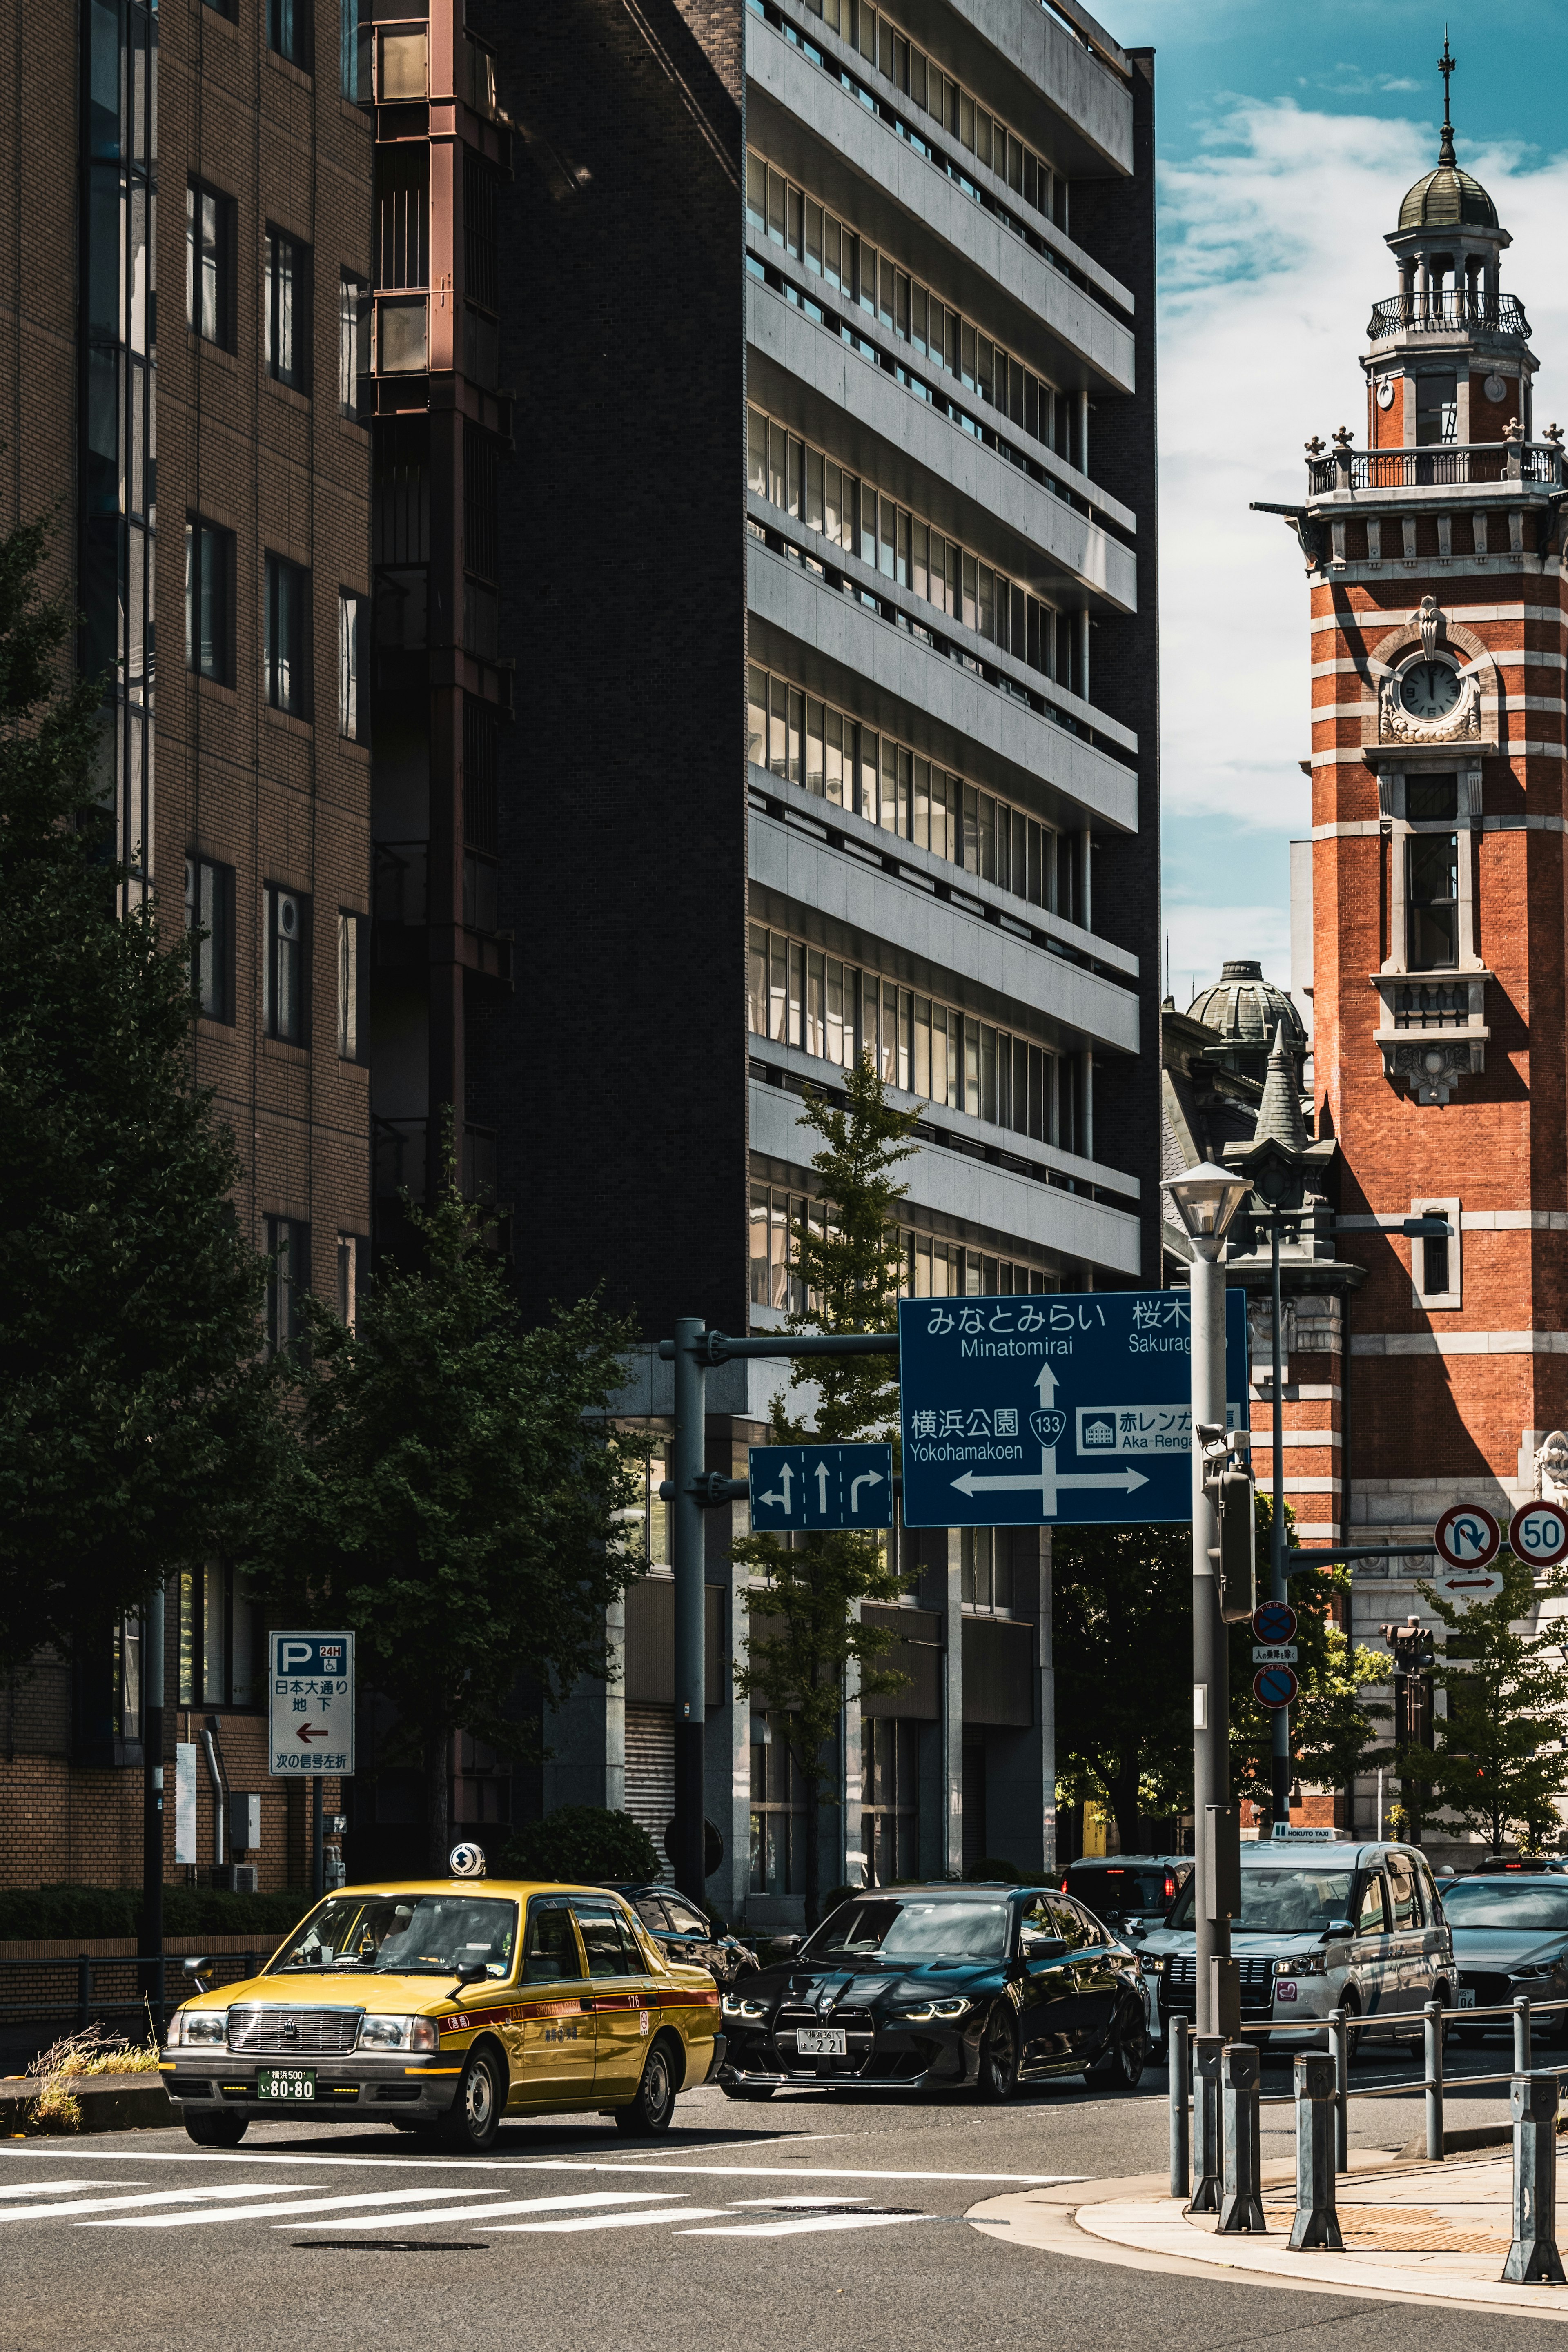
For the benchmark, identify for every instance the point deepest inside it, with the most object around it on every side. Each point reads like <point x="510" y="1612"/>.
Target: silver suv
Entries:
<point x="1323" y="1925"/>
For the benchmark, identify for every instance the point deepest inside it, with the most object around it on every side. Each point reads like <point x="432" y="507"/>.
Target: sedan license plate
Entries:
<point x="1466" y="1996"/>
<point x="293" y="2083"/>
<point x="822" y="2041"/>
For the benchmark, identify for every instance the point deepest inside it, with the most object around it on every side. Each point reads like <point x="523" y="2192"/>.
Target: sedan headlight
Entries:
<point x="736" y="2004"/>
<point x="199" y="2028"/>
<point x="921" y="2011"/>
<point x="398" y="2033"/>
<point x="1534" y="1968"/>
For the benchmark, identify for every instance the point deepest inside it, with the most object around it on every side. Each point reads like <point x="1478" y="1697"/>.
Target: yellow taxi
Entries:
<point x="443" y="2005"/>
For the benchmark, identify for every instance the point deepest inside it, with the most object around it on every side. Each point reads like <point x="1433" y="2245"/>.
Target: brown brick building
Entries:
<point x="183" y="332"/>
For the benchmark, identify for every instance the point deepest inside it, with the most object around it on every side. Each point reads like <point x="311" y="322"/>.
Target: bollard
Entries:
<point x="1533" y="2259"/>
<point x="1181" y="2102"/>
<point x="1339" y="2045"/>
<point x="1241" y="2207"/>
<point x="1207" y="2048"/>
<point x="1316" y="2224"/>
<point x="1521" y="2035"/>
<point x="1433" y="2035"/>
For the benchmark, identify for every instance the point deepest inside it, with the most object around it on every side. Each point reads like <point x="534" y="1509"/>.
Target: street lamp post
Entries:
<point x="1206" y="1198"/>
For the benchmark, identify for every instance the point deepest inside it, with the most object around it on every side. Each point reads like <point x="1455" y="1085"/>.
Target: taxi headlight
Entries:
<point x="736" y="2005"/>
<point x="1153" y="1963"/>
<point x="208" y="2027"/>
<point x="397" y="2033"/>
<point x="1310" y="1964"/>
<point x="921" y="2011"/>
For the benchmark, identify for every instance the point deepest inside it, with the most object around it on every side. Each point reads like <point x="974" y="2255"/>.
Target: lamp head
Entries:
<point x="1206" y="1200"/>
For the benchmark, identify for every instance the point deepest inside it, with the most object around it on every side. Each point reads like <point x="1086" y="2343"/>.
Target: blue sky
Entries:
<point x="1287" y="137"/>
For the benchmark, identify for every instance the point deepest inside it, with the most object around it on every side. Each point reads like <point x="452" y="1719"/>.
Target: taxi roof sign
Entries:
<point x="1285" y="1833"/>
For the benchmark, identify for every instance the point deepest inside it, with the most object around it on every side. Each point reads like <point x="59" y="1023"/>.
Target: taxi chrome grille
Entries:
<point x="1256" y="1971"/>
<point x="295" y="2032"/>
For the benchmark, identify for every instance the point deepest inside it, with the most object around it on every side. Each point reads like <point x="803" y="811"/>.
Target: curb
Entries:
<point x="109" y="2102"/>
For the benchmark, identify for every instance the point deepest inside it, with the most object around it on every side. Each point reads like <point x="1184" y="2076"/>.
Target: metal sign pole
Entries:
<point x="690" y="1576"/>
<point x="1211" y="1676"/>
<point x="1278" y="1587"/>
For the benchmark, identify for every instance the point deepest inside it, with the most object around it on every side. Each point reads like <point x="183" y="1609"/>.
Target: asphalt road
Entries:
<point x="824" y="2220"/>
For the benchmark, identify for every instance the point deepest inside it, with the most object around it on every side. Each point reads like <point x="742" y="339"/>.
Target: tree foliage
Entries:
<point x="134" y="1414"/>
<point x="1497" y="1761"/>
<point x="588" y="1844"/>
<point x="1123" y="1617"/>
<point x="454" y="1496"/>
<point x="806" y="1629"/>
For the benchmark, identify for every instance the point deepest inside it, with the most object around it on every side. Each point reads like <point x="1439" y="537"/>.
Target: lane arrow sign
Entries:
<point x="822" y="1488"/>
<point x="785" y="1476"/>
<point x="1046" y="1385"/>
<point x="1048" y="1480"/>
<point x="866" y="1478"/>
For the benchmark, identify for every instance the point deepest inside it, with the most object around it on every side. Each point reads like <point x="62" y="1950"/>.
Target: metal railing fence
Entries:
<point x="91" y="1989"/>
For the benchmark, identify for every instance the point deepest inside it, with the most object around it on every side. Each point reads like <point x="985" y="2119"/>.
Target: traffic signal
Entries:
<point x="1229" y="1480"/>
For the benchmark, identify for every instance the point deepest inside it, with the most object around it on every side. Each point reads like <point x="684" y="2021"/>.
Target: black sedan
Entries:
<point x="917" y="1988"/>
<point x="682" y="1933"/>
<point x="1510" y="1937"/>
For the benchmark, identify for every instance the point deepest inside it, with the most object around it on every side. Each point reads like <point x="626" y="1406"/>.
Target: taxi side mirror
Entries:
<point x="472" y="1972"/>
<point x="196" y="1964"/>
<point x="1339" y="1928"/>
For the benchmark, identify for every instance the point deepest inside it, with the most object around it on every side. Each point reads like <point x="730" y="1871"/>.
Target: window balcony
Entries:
<point x="1440" y="467"/>
<point x="1453" y="311"/>
<point x="1432" y="1030"/>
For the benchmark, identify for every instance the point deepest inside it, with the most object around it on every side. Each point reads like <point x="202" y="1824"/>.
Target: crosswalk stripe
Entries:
<point x="507" y="2205"/>
<point x="58" y="2188"/>
<point x="248" y="2212"/>
<point x="612" y="2221"/>
<point x="812" y="2222"/>
<point x="148" y="2197"/>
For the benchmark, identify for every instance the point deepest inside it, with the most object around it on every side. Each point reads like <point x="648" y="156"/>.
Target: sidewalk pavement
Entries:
<point x="1414" y="2231"/>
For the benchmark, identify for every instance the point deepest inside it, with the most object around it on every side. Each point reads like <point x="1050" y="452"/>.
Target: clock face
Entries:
<point x="1429" y="690"/>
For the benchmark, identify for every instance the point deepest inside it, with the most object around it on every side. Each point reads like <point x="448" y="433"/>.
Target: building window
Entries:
<point x="128" y="1679"/>
<point x="283" y="965"/>
<point x="353" y="629"/>
<point x="209" y="600"/>
<point x="1432" y="904"/>
<point x="353" y="339"/>
<point x="890" y="1821"/>
<point x="985" y="1571"/>
<point x="349" y="49"/>
<point x="350" y="1247"/>
<point x="777" y="1811"/>
<point x="209" y="264"/>
<point x="221" y="1645"/>
<point x="656" y="1514"/>
<point x="289" y="31"/>
<point x="288" y="309"/>
<point x="288" y="636"/>
<point x="1436" y="410"/>
<point x="354" y="935"/>
<point x="1435" y="1266"/>
<point x="209" y="919"/>
<point x="286" y="1246"/>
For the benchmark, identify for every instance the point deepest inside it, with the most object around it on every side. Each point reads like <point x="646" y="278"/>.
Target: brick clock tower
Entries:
<point x="1438" y="911"/>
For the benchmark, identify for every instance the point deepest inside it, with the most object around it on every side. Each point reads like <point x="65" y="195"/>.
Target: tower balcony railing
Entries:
<point x="1436" y="467"/>
<point x="1447" y="311"/>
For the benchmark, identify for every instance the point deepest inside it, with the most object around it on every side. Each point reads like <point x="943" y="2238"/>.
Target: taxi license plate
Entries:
<point x="822" y="2041"/>
<point x="285" y="2082"/>
<point x="1466" y="1996"/>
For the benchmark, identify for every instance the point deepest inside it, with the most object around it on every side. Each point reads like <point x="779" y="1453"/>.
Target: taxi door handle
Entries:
<point x="586" y="2006"/>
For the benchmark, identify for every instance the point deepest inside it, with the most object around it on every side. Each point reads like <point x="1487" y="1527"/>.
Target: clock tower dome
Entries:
<point x="1439" y="772"/>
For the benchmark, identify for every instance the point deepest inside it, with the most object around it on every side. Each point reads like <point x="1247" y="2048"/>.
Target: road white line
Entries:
<point x="612" y="2221"/>
<point x="57" y="2188"/>
<point x="802" y="2204"/>
<point x="813" y="2222"/>
<point x="507" y="2205"/>
<point x="814" y="2172"/>
<point x="248" y="2212"/>
<point x="148" y="2197"/>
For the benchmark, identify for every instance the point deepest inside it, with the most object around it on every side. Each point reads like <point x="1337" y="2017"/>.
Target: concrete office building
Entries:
<point x="827" y="564"/>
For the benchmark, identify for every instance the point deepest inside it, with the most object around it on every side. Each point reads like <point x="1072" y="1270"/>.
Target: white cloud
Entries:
<point x="1272" y="257"/>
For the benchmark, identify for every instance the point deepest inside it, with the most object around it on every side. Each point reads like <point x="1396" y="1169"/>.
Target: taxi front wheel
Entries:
<point x="474" y="2116"/>
<point x="216" y="2131"/>
<point x="650" y="2111"/>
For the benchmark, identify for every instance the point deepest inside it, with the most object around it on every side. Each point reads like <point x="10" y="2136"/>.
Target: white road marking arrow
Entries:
<point x="866" y="1478"/>
<point x="1047" y="1479"/>
<point x="785" y="1476"/>
<point x="822" y="1488"/>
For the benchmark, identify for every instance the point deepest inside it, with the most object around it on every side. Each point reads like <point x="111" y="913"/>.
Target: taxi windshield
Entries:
<point x="884" y="1930"/>
<point x="403" y="1935"/>
<point x="1284" y="1900"/>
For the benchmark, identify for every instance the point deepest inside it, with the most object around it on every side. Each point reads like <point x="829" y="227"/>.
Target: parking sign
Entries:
<point x="311" y="1704"/>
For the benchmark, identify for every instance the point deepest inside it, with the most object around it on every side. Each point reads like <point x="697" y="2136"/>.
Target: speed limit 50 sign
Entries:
<point x="1538" y="1535"/>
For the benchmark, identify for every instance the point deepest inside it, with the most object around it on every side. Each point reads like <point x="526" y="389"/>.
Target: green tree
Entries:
<point x="804" y="1626"/>
<point x="135" y="1420"/>
<point x="1123" y="1612"/>
<point x="1497" y="1762"/>
<point x="455" y="1496"/>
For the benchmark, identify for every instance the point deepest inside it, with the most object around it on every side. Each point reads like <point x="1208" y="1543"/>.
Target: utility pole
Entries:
<point x="152" y="1935"/>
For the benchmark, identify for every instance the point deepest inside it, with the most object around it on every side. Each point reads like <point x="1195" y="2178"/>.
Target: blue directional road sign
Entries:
<point x="821" y="1486"/>
<point x="1046" y="1408"/>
